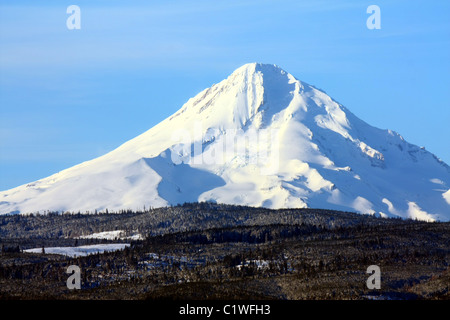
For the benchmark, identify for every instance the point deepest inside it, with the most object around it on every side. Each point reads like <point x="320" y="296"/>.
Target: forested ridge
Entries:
<point x="213" y="251"/>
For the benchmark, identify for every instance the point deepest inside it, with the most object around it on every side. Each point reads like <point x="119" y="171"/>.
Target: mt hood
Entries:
<point x="260" y="138"/>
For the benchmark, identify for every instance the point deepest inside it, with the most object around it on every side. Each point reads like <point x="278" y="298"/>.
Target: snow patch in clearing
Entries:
<point x="112" y="235"/>
<point x="81" y="251"/>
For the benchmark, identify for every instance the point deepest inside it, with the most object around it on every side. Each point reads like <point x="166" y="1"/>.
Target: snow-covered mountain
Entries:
<point x="260" y="138"/>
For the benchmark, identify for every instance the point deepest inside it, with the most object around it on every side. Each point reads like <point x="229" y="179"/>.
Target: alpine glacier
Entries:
<point x="260" y="138"/>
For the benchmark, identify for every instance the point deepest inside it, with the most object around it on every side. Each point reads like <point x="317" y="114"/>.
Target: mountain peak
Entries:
<point x="254" y="67"/>
<point x="261" y="138"/>
<point x="251" y="70"/>
<point x="246" y="93"/>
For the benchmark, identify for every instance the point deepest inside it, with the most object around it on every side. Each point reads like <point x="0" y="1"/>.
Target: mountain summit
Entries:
<point x="260" y="138"/>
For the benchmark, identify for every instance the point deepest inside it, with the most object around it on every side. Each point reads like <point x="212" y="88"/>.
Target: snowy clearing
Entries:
<point x="81" y="251"/>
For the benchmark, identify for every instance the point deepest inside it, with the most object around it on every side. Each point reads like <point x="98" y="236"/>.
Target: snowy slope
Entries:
<point x="261" y="138"/>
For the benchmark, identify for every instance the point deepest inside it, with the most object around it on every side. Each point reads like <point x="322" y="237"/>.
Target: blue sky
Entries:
<point x="67" y="96"/>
